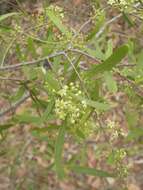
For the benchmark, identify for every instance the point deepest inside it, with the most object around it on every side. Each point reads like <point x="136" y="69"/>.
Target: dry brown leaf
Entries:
<point x="133" y="187"/>
<point x="42" y="162"/>
<point x="77" y="2"/>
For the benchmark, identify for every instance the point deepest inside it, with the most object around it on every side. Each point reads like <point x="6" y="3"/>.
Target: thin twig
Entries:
<point x="106" y="24"/>
<point x="19" y="65"/>
<point x="15" y="105"/>
<point x="137" y="89"/>
<point x="11" y="79"/>
<point x="86" y="23"/>
<point x="126" y="65"/>
<point x="34" y="62"/>
<point x="82" y="27"/>
<point x="80" y="79"/>
<point x="84" y="53"/>
<point x="7" y="50"/>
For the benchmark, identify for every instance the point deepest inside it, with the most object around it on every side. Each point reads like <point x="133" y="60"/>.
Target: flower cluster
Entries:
<point x="122" y="170"/>
<point x="18" y="28"/>
<point x="117" y="157"/>
<point x="57" y="10"/>
<point x="120" y="154"/>
<point x="71" y="107"/>
<point x="115" y="130"/>
<point x="123" y="4"/>
<point x="67" y="106"/>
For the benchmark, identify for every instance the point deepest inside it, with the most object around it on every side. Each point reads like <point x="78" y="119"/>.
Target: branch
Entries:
<point x="84" y="53"/>
<point x="138" y="90"/>
<point x="78" y="75"/>
<point x="15" y="105"/>
<point x="11" y="79"/>
<point x="6" y="52"/>
<point x="34" y="62"/>
<point x="126" y="65"/>
<point x="106" y="24"/>
<point x="111" y="21"/>
<point x="85" y="24"/>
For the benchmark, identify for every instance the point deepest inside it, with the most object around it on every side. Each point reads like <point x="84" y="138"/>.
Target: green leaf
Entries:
<point x="132" y="117"/>
<point x="111" y="159"/>
<point x="52" y="82"/>
<point x="93" y="88"/>
<point x="46" y="114"/>
<point x="139" y="60"/>
<point x="109" y="63"/>
<point x="5" y="126"/>
<point x="128" y="19"/>
<point x="18" y="94"/>
<point x="73" y="74"/>
<point x="100" y="106"/>
<point x="31" y="74"/>
<point x="109" y="50"/>
<point x="96" y="28"/>
<point x="27" y="118"/>
<point x="91" y="171"/>
<point x="45" y="129"/>
<point x="80" y="133"/>
<point x="58" y="152"/>
<point x="31" y="47"/>
<point x="135" y="133"/>
<point x="110" y="82"/>
<point x="95" y="53"/>
<point x="55" y="19"/>
<point x="5" y="16"/>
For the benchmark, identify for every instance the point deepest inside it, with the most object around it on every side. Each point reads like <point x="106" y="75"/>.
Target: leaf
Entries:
<point x="5" y="29"/>
<point x="93" y="88"/>
<point x="132" y="117"/>
<point x="95" y="53"/>
<point x="135" y="133"/>
<point x="40" y="136"/>
<point x="109" y="50"/>
<point x="128" y="19"/>
<point x="48" y="110"/>
<point x="58" y="152"/>
<point x="45" y="129"/>
<point x="111" y="159"/>
<point x="52" y="82"/>
<point x="5" y="126"/>
<point x="31" y="47"/>
<point x="91" y="171"/>
<point x="80" y="133"/>
<point x="27" y="118"/>
<point x="101" y="106"/>
<point x="110" y="82"/>
<point x="109" y="63"/>
<point x="5" y="16"/>
<point x="73" y="75"/>
<point x="139" y="60"/>
<point x="20" y="92"/>
<point x="98" y="25"/>
<point x="98" y="105"/>
<point x="54" y="18"/>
